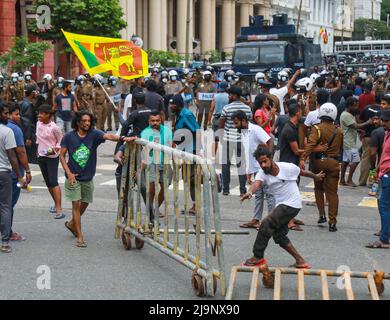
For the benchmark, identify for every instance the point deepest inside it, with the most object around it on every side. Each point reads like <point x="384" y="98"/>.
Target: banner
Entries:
<point x="120" y="58"/>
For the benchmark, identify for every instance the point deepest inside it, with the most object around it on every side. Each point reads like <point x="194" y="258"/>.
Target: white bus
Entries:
<point x="372" y="47"/>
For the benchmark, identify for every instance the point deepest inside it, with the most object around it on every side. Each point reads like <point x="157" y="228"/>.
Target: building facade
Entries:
<point x="368" y="9"/>
<point x="212" y="24"/>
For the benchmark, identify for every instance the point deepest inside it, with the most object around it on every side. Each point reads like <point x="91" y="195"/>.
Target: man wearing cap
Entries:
<point x="232" y="139"/>
<point x="184" y="137"/>
<point x="383" y="176"/>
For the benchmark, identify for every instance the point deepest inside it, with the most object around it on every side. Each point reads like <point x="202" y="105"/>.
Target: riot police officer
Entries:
<point x="115" y="95"/>
<point x="99" y="103"/>
<point x="84" y="93"/>
<point x="47" y="89"/>
<point x="28" y="80"/>
<point x="204" y="97"/>
<point x="331" y="137"/>
<point x="11" y="89"/>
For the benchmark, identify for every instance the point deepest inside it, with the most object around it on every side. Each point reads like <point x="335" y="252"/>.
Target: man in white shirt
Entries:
<point x="252" y="136"/>
<point x="281" y="178"/>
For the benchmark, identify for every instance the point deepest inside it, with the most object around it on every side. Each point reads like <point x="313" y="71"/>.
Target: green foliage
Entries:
<point x="92" y="17"/>
<point x="385" y="9"/>
<point x="165" y="58"/>
<point x="24" y="54"/>
<point x="214" y="56"/>
<point x="377" y="30"/>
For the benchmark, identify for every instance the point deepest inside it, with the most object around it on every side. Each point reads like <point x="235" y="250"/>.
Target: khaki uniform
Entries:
<point x="112" y="92"/>
<point x="329" y="164"/>
<point x="11" y="92"/>
<point x="204" y="105"/>
<point x="20" y="85"/>
<point x="100" y="109"/>
<point x="84" y="96"/>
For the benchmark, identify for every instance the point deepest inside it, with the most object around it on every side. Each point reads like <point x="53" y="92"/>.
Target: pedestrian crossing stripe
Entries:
<point x="107" y="167"/>
<point x="370" y="202"/>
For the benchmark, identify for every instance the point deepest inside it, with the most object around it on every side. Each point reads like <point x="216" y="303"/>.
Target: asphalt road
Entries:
<point x="104" y="270"/>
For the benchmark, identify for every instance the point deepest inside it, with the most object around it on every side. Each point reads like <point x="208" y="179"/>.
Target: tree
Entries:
<point x="92" y="17"/>
<point x="23" y="54"/>
<point x="165" y="58"/>
<point x="385" y="9"/>
<point x="377" y="30"/>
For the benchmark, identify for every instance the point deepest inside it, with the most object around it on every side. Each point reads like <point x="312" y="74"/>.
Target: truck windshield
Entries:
<point x="262" y="54"/>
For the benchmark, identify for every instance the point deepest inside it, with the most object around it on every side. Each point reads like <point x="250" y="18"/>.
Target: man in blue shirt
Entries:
<point x="21" y="154"/>
<point x="64" y="105"/>
<point x="185" y="131"/>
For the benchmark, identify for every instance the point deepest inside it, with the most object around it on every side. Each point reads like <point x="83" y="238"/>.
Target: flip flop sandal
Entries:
<point x="70" y="229"/>
<point x="304" y="266"/>
<point x="60" y="216"/>
<point x="80" y="244"/>
<point x="250" y="225"/>
<point x="258" y="264"/>
<point x="295" y="228"/>
<point x="377" y="245"/>
<point x="299" y="222"/>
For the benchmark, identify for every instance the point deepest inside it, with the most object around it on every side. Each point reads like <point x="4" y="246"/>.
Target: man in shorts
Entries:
<point x="81" y="143"/>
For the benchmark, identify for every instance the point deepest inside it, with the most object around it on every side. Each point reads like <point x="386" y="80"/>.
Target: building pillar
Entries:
<point x="213" y="10"/>
<point x="233" y="25"/>
<point x="164" y="25"/>
<point x="181" y="17"/>
<point x="170" y="24"/>
<point x="145" y="24"/>
<point x="205" y="26"/>
<point x="155" y="24"/>
<point x="246" y="10"/>
<point x="7" y="24"/>
<point x="191" y="37"/>
<point x="228" y="25"/>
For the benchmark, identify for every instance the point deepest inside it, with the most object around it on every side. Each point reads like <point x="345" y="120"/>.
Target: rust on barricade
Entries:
<point x="188" y="237"/>
<point x="272" y="279"/>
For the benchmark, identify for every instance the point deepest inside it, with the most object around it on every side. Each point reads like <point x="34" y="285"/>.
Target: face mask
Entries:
<point x="230" y="78"/>
<point x="81" y="83"/>
<point x="113" y="83"/>
<point x="60" y="85"/>
<point x="14" y="79"/>
<point x="28" y="78"/>
<point x="20" y="78"/>
<point x="165" y="80"/>
<point x="173" y="78"/>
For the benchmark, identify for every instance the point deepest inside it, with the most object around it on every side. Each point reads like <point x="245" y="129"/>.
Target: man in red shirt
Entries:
<point x="367" y="97"/>
<point x="383" y="174"/>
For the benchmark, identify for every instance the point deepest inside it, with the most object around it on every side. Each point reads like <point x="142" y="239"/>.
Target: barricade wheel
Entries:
<point x="139" y="244"/>
<point x="198" y="285"/>
<point x="126" y="240"/>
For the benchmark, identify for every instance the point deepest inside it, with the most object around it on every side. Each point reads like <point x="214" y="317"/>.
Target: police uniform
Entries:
<point x="115" y="95"/>
<point x="328" y="163"/>
<point x="20" y="85"/>
<point x="204" y="103"/>
<point x="11" y="92"/>
<point x="84" y="96"/>
<point x="100" y="109"/>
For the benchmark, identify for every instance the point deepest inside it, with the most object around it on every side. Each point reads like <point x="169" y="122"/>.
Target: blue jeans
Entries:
<point x="384" y="208"/>
<point x="15" y="196"/>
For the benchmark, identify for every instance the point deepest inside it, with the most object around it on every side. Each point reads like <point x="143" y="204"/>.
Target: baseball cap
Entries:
<point x="265" y="83"/>
<point x="177" y="100"/>
<point x="236" y="90"/>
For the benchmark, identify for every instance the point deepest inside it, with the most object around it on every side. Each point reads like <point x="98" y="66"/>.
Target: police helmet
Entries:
<point x="314" y="76"/>
<point x="304" y="83"/>
<point x="206" y="74"/>
<point x="328" y="110"/>
<point x="173" y="75"/>
<point x="47" y="77"/>
<point x="229" y="75"/>
<point x="259" y="76"/>
<point x="283" y="76"/>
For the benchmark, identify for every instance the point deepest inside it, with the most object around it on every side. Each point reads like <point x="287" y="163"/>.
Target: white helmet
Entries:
<point x="164" y="73"/>
<point x="259" y="76"/>
<point x="304" y="83"/>
<point x="206" y="73"/>
<point x="60" y="79"/>
<point x="27" y="73"/>
<point x="328" y="110"/>
<point x="363" y="75"/>
<point x="186" y="71"/>
<point x="314" y="76"/>
<point x="14" y="75"/>
<point x="282" y="76"/>
<point x="47" y="77"/>
<point x="81" y="78"/>
<point x="350" y="69"/>
<point x="98" y="77"/>
<point x="380" y="73"/>
<point x="173" y="73"/>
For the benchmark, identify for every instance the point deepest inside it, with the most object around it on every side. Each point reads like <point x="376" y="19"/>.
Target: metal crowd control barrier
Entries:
<point x="135" y="214"/>
<point x="272" y="278"/>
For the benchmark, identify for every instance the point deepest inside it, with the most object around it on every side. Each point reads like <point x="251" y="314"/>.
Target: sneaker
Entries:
<point x="226" y="193"/>
<point x="16" y="237"/>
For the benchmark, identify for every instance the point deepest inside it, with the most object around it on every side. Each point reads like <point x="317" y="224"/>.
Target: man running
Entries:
<point x="81" y="143"/>
<point x="281" y="178"/>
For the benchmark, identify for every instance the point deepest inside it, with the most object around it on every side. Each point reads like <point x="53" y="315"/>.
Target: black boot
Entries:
<point x="322" y="219"/>
<point x="332" y="228"/>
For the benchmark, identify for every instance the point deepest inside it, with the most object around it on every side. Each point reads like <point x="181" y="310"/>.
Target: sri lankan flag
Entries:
<point x="119" y="57"/>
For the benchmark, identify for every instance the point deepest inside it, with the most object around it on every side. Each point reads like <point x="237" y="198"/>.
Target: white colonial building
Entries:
<point x="368" y="9"/>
